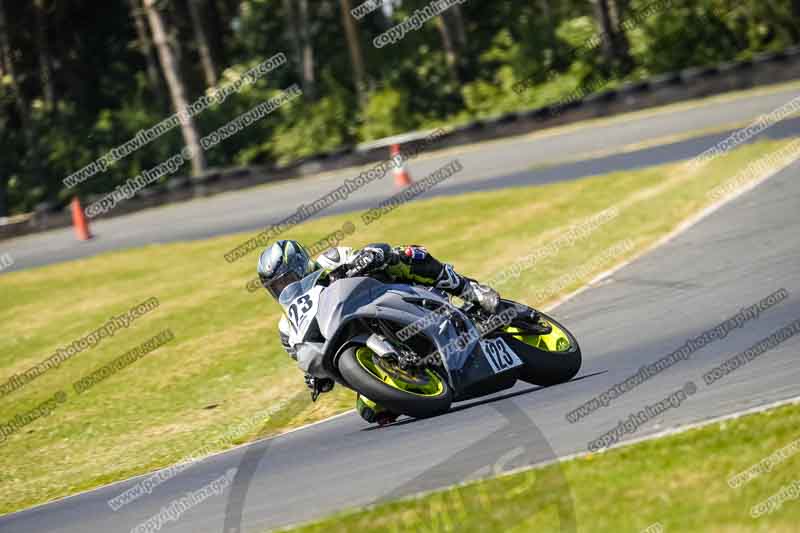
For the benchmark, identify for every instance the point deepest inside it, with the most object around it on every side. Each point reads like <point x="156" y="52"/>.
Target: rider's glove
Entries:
<point x="367" y="260"/>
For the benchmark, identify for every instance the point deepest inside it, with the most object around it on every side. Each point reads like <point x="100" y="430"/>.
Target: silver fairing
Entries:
<point x="350" y="299"/>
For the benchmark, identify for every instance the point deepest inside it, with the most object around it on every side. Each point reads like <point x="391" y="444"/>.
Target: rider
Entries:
<point x="288" y="261"/>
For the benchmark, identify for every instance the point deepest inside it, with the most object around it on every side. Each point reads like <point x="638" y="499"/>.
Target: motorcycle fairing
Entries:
<point x="313" y="310"/>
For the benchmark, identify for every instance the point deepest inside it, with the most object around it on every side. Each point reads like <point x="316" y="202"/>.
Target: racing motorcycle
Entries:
<point x="411" y="349"/>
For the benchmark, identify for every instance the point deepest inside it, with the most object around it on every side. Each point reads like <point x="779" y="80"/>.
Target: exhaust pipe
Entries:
<point x="380" y="346"/>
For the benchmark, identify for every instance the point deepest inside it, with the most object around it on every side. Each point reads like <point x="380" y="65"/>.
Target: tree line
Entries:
<point x="79" y="78"/>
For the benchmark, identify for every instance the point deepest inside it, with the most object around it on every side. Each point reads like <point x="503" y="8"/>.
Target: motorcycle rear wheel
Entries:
<point x="420" y="395"/>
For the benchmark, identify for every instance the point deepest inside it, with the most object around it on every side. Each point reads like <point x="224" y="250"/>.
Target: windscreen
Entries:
<point x="292" y="291"/>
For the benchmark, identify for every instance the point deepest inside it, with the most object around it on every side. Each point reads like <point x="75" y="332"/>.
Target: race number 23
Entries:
<point x="297" y="311"/>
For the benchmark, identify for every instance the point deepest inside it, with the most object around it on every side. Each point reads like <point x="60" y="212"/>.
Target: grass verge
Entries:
<point x="225" y="363"/>
<point x="678" y="482"/>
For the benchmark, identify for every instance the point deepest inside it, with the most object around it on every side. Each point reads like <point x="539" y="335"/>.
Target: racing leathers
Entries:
<point x="411" y="264"/>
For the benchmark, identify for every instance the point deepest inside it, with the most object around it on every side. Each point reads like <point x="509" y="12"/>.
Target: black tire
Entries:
<point x="552" y="368"/>
<point x="395" y="400"/>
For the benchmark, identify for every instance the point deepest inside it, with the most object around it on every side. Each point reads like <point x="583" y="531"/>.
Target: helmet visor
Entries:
<point x="276" y="285"/>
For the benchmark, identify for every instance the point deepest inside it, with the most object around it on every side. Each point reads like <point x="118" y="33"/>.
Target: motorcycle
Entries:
<point x="414" y="351"/>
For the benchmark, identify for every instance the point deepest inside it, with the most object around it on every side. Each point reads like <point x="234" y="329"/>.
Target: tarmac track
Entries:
<point x="735" y="257"/>
<point x="510" y="162"/>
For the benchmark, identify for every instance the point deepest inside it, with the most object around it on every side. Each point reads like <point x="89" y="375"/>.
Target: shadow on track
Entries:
<point x="485" y="401"/>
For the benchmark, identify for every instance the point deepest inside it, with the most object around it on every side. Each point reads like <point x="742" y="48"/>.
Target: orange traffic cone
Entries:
<point x="401" y="177"/>
<point x="79" y="220"/>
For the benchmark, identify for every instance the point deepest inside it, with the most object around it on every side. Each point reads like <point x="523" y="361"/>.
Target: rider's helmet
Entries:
<point x="283" y="263"/>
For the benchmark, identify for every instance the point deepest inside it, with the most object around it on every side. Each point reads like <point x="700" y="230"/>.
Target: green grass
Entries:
<point x="680" y="482"/>
<point x="225" y="363"/>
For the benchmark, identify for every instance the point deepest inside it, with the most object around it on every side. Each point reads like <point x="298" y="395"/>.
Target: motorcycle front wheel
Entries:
<point x="556" y="357"/>
<point x="421" y="393"/>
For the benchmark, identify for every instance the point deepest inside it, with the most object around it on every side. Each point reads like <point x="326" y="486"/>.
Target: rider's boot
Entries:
<point x="374" y="413"/>
<point x="468" y="289"/>
<point x="483" y="295"/>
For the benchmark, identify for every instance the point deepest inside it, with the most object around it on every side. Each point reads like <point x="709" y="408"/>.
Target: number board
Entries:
<point x="499" y="355"/>
<point x="301" y="313"/>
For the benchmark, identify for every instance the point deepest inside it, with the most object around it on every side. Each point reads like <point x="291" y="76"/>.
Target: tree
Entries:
<point x="548" y="22"/>
<point x="615" y="45"/>
<point x="796" y="15"/>
<point x="450" y="51"/>
<point x="22" y="110"/>
<point x="203" y="46"/>
<point x="45" y="58"/>
<point x="219" y="30"/>
<point x="10" y="70"/>
<point x="145" y="46"/>
<point x="458" y="25"/>
<point x="450" y="24"/>
<point x="354" y="46"/>
<point x="300" y="36"/>
<point x="293" y="35"/>
<point x="307" y="50"/>
<point x="79" y="78"/>
<point x="175" y="84"/>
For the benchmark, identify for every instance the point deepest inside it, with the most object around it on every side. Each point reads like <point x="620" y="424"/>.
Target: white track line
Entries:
<point x="210" y="456"/>
<point x="682" y="227"/>
<point x="676" y="430"/>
